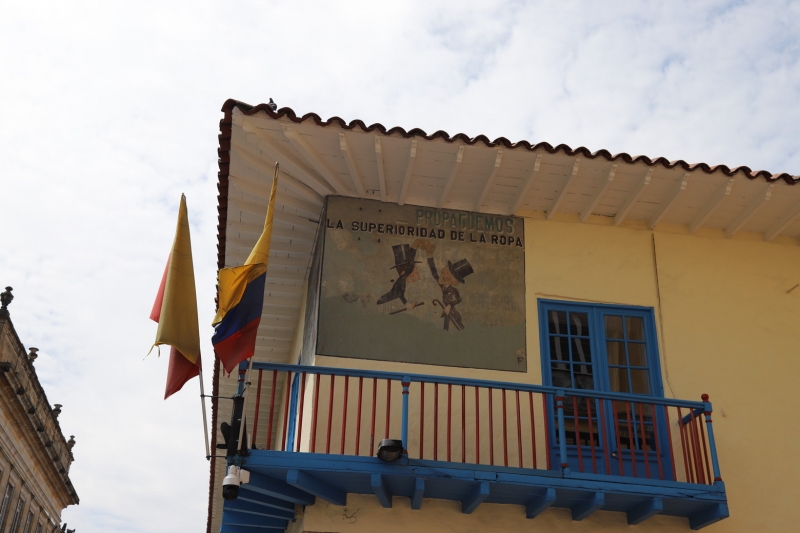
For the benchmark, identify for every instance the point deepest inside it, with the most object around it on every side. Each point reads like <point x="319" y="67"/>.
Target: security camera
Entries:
<point x="230" y="484"/>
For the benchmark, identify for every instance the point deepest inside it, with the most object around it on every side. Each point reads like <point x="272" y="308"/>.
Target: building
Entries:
<point x="35" y="457"/>
<point x="547" y="330"/>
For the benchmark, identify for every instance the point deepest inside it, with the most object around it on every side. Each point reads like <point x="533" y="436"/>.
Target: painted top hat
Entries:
<point x="404" y="256"/>
<point x="460" y="269"/>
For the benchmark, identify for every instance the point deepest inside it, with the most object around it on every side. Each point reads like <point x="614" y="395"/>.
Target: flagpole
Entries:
<point x="205" y="420"/>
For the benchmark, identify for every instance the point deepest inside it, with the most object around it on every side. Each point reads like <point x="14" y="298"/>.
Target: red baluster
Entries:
<point x="358" y="416"/>
<point x="422" y="419"/>
<point x="436" y="421"/>
<point x="505" y="431"/>
<point x="344" y="414"/>
<point x="271" y="409"/>
<point x="314" y="415"/>
<point x="519" y="431"/>
<point x="696" y="448"/>
<point x="388" y="406"/>
<point x="491" y="429"/>
<point x="374" y="409"/>
<point x="477" y="427"/>
<point x="286" y="410"/>
<point x="330" y="415"/>
<point x="546" y="420"/>
<point x="704" y="458"/>
<point x="463" y="424"/>
<point x="533" y="429"/>
<point x="302" y="401"/>
<point x="685" y="447"/>
<point x="449" y="417"/>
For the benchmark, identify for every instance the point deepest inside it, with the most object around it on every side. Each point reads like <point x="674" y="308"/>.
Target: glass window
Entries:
<point x="17" y="515"/>
<point x="4" y="504"/>
<point x="28" y="522"/>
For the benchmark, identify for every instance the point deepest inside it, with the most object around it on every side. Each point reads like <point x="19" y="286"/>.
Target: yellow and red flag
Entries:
<point x="241" y="298"/>
<point x="175" y="309"/>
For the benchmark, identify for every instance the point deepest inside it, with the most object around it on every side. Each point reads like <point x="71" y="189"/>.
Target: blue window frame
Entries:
<point x="607" y="348"/>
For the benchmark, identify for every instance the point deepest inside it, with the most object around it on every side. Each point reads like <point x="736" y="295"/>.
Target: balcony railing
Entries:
<point x="322" y="410"/>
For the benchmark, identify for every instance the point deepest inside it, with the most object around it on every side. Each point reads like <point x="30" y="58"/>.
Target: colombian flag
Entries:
<point x="175" y="309"/>
<point x="241" y="298"/>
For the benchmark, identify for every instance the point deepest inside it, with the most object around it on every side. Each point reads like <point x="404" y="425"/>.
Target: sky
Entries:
<point x="110" y="110"/>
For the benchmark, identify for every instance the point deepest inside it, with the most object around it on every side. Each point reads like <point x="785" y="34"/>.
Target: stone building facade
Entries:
<point x="35" y="456"/>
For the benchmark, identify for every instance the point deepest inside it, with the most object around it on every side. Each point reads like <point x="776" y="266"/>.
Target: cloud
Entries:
<point x="111" y="110"/>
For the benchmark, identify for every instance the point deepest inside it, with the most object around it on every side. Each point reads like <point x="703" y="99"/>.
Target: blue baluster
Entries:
<point x="711" y="443"/>
<point x="562" y="432"/>
<point x="404" y="418"/>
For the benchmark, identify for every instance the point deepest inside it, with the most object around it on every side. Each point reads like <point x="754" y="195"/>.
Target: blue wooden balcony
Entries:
<point x="315" y="433"/>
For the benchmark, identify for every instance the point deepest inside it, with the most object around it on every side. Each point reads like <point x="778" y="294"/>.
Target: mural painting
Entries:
<point x="422" y="285"/>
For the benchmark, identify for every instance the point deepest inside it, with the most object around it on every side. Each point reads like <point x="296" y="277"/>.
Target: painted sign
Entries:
<point x="422" y="285"/>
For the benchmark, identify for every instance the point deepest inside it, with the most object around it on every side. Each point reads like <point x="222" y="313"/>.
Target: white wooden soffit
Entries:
<point x="490" y="181"/>
<point x="528" y="183"/>
<point x="351" y="164"/>
<point x="270" y="148"/>
<point x="669" y="201"/>
<point x="633" y="197"/>
<point x="788" y="217"/>
<point x="412" y="158"/>
<point x="452" y="177"/>
<point x="599" y="194"/>
<point x="704" y="214"/>
<point x="289" y="181"/>
<point x="302" y="146"/>
<point x="381" y="169"/>
<point x="563" y="192"/>
<point x="747" y="213"/>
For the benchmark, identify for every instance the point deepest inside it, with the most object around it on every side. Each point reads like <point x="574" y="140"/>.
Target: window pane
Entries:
<point x="561" y="378"/>
<point x="635" y="327"/>
<point x="618" y="377"/>
<point x="583" y="377"/>
<point x="579" y="324"/>
<point x="581" y="351"/>
<point x="636" y="354"/>
<point x="559" y="348"/>
<point x="616" y="353"/>
<point x="614" y="327"/>
<point x="641" y="381"/>
<point x="557" y="322"/>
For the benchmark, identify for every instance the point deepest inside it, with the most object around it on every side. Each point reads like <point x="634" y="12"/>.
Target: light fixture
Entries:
<point x="390" y="450"/>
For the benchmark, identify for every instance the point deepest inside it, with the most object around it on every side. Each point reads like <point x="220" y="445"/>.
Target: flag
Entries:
<point x="175" y="309"/>
<point x="241" y="298"/>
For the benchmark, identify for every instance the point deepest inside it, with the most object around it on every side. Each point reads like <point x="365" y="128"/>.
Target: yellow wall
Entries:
<point x="727" y="327"/>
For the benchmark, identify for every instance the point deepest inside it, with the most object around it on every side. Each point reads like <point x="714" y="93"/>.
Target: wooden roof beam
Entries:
<point x="747" y="213"/>
<point x="563" y="193"/>
<point x="527" y="187"/>
<point x="412" y="158"/>
<point x="351" y="164"/>
<point x="663" y="209"/>
<point x="497" y="160"/>
<point x="452" y="177"/>
<point x="788" y="217"/>
<point x="311" y="155"/>
<point x="381" y="169"/>
<point x="701" y="217"/>
<point x="633" y="197"/>
<point x="270" y="147"/>
<point x="599" y="194"/>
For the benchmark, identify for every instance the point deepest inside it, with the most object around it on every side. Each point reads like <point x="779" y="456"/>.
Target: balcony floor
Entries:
<point x="281" y="479"/>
